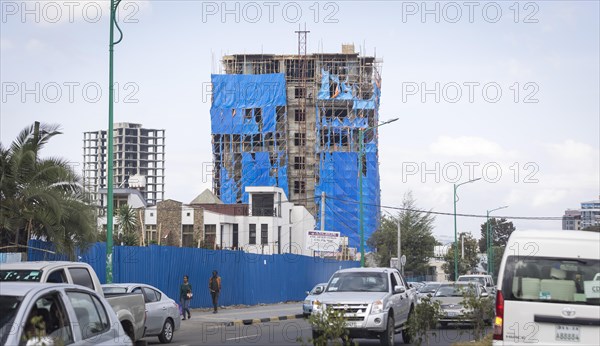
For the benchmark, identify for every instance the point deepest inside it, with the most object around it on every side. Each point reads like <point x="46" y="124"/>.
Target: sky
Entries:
<point x="504" y="91"/>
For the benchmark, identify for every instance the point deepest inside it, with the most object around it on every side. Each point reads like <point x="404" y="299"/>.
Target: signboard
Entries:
<point x="323" y="242"/>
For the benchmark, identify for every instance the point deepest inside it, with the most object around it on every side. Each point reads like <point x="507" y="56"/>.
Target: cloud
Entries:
<point x="467" y="146"/>
<point x="35" y="46"/>
<point x="548" y="197"/>
<point x="6" y="44"/>
<point x="572" y="150"/>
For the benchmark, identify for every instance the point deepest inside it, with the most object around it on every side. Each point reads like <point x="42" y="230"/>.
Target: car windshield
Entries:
<point x="21" y="275"/>
<point x="454" y="290"/>
<point x="553" y="280"/>
<point x="472" y="278"/>
<point x="358" y="282"/>
<point x="429" y="288"/>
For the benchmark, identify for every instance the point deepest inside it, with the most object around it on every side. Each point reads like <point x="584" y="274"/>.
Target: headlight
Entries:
<point x="316" y="305"/>
<point x="377" y="307"/>
<point x="307" y="302"/>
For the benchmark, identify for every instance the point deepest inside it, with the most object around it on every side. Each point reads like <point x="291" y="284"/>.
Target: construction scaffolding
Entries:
<point x="298" y="129"/>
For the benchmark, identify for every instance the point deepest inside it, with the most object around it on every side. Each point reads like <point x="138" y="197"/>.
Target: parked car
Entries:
<point x="57" y="314"/>
<point x="377" y="302"/>
<point x="162" y="312"/>
<point x="428" y="290"/>
<point x="416" y="284"/>
<point x="310" y="298"/>
<point x="549" y="289"/>
<point x="486" y="280"/>
<point x="450" y="296"/>
<point x="130" y="308"/>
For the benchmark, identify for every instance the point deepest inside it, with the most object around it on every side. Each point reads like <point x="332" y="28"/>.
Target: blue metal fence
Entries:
<point x="246" y="278"/>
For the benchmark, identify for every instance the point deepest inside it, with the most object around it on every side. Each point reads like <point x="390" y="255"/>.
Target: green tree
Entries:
<point x="128" y="225"/>
<point x="501" y="230"/>
<point x="416" y="233"/>
<point x="42" y="197"/>
<point x="464" y="264"/>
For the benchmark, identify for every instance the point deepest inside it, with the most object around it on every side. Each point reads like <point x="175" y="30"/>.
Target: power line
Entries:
<point x="541" y="218"/>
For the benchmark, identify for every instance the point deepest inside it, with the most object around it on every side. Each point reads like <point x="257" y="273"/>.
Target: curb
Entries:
<point x="263" y="320"/>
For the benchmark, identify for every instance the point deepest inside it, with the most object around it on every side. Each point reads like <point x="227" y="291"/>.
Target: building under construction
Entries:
<point x="293" y="121"/>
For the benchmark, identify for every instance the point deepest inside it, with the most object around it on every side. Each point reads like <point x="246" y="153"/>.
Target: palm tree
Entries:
<point x="42" y="198"/>
<point x="128" y="225"/>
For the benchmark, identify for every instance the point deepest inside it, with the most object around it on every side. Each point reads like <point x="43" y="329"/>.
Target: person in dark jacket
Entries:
<point x="214" y="285"/>
<point x="185" y="295"/>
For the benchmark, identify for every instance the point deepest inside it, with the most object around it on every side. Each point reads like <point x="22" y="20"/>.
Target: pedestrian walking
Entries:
<point x="214" y="285"/>
<point x="185" y="295"/>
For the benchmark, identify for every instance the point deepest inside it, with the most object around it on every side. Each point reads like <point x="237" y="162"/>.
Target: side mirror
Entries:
<point x="307" y="293"/>
<point x="399" y="289"/>
<point x="484" y="294"/>
<point x="411" y="285"/>
<point x="319" y="290"/>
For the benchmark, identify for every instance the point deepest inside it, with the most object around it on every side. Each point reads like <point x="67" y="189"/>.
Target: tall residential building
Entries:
<point x="571" y="220"/>
<point x="590" y="213"/>
<point x="293" y="121"/>
<point x="577" y="219"/>
<point x="139" y="161"/>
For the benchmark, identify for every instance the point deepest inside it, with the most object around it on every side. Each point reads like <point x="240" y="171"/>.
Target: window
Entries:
<point x="150" y="295"/>
<point x="299" y="187"/>
<point x="91" y="315"/>
<point x="258" y="114"/>
<point x="151" y="234"/>
<point x="57" y="276"/>
<point x="51" y="308"/>
<point x="298" y="162"/>
<point x="187" y="235"/>
<point x="81" y="276"/>
<point x="252" y="231"/>
<point x="264" y="233"/>
<point x="234" y="241"/>
<point x="299" y="139"/>
<point x="552" y="280"/>
<point x="299" y="115"/>
<point x="248" y="113"/>
<point x="210" y="234"/>
<point x="299" y="92"/>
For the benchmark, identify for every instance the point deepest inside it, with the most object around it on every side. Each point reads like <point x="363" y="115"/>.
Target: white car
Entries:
<point x="549" y="289"/>
<point x="485" y="280"/>
<point x="310" y="298"/>
<point x="162" y="312"/>
<point x="57" y="314"/>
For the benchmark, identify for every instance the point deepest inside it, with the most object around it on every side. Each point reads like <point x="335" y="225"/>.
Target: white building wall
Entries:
<point x="185" y="218"/>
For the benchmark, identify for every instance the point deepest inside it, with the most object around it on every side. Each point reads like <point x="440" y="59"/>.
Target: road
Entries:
<point x="224" y="328"/>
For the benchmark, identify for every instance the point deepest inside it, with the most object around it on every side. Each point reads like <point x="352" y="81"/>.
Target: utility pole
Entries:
<point x="462" y="245"/>
<point x="399" y="245"/>
<point x="455" y="237"/>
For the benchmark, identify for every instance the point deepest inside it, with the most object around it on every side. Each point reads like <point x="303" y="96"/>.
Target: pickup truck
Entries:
<point x="129" y="308"/>
<point x="57" y="314"/>
<point x="376" y="303"/>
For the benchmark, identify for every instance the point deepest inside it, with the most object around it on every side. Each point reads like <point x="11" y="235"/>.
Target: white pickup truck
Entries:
<point x="129" y="308"/>
<point x="376" y="303"/>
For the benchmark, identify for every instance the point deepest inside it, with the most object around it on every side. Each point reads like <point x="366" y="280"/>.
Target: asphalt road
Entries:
<point x="206" y="328"/>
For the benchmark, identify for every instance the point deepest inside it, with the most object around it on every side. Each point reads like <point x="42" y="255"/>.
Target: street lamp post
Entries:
<point x="361" y="140"/>
<point x="490" y="243"/>
<point x="455" y="236"/>
<point x="109" y="158"/>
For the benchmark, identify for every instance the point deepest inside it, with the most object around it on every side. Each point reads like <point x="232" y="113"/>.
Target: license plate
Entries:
<point x="567" y="333"/>
<point x="351" y="324"/>
<point x="452" y="313"/>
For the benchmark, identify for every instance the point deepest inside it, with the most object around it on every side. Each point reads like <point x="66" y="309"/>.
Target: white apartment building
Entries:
<point x="139" y="161"/>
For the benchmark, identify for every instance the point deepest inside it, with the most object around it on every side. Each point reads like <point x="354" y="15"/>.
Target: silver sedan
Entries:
<point x="162" y="312"/>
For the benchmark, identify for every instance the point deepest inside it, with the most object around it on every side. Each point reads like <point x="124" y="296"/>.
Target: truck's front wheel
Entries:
<point x="387" y="337"/>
